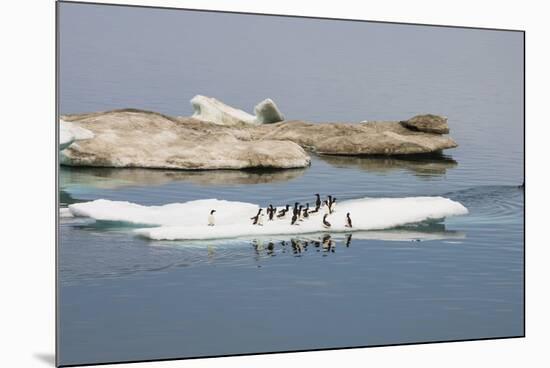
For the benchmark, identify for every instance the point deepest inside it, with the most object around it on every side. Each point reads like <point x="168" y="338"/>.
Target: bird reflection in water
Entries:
<point x="258" y="247"/>
<point x="270" y="249"/>
<point x="325" y="244"/>
<point x="328" y="244"/>
<point x="348" y="240"/>
<point x="211" y="252"/>
<point x="297" y="247"/>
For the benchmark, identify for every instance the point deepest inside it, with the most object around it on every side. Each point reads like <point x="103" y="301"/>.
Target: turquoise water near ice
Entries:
<point x="122" y="297"/>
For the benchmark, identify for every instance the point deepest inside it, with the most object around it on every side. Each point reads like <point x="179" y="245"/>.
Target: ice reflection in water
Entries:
<point x="422" y="165"/>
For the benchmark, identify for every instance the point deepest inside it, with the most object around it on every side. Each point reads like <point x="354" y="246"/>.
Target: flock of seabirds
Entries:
<point x="299" y="213"/>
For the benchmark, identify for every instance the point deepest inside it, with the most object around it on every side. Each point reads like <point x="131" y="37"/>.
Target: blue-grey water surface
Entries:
<point x="126" y="298"/>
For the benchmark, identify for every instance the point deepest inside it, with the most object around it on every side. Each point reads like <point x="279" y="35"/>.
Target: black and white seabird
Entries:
<point x="306" y="211"/>
<point x="260" y="220"/>
<point x="211" y="218"/>
<point x="294" y="219"/>
<point x="255" y="218"/>
<point x="326" y="224"/>
<point x="300" y="214"/>
<point x="348" y="220"/>
<point x="317" y="202"/>
<point x="316" y="209"/>
<point x="282" y="213"/>
<point x="295" y="209"/>
<point x="271" y="211"/>
<point x="326" y="207"/>
<point x="332" y="205"/>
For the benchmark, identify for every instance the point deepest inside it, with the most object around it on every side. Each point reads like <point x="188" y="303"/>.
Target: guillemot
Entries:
<point x="260" y="220"/>
<point x="295" y="209"/>
<point x="326" y="224"/>
<point x="348" y="220"/>
<point x="332" y="205"/>
<point x="306" y="211"/>
<point x="255" y="218"/>
<point x="211" y="219"/>
<point x="326" y="207"/>
<point x="282" y="213"/>
<point x="317" y="202"/>
<point x="294" y="219"/>
<point x="271" y="211"/>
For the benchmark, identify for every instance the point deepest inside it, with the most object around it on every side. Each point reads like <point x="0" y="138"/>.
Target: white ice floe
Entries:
<point x="267" y="112"/>
<point x="215" y="111"/>
<point x="69" y="132"/>
<point x="189" y="221"/>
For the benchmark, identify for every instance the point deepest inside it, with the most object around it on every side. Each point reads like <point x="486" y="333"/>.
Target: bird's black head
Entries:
<point x="212" y="212"/>
<point x="347" y="214"/>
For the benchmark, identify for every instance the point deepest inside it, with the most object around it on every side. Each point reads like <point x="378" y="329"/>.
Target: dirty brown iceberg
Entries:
<point x="218" y="136"/>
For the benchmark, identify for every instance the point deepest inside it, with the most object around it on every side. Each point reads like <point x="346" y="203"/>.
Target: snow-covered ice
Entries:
<point x="189" y="221"/>
<point x="69" y="132"/>
<point x="215" y="111"/>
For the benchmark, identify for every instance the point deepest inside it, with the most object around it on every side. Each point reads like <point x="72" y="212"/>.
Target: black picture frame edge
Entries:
<point x="56" y="215"/>
<point x="158" y="7"/>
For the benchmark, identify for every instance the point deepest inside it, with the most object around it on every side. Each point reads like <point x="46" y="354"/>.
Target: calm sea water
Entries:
<point x="127" y="298"/>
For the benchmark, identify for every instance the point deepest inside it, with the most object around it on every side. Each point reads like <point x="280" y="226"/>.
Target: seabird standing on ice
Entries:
<point x="255" y="218"/>
<point x="260" y="220"/>
<point x="271" y="211"/>
<point x="326" y="224"/>
<point x="294" y="219"/>
<point x="348" y="220"/>
<point x="332" y="205"/>
<point x="326" y="207"/>
<point x="315" y="210"/>
<point x="300" y="213"/>
<point x="282" y="213"/>
<point x="295" y="209"/>
<point x="306" y="211"/>
<point x="317" y="202"/>
<point x="211" y="219"/>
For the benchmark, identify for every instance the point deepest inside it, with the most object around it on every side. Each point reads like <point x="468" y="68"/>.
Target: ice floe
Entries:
<point x="69" y="132"/>
<point x="215" y="111"/>
<point x="189" y="221"/>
